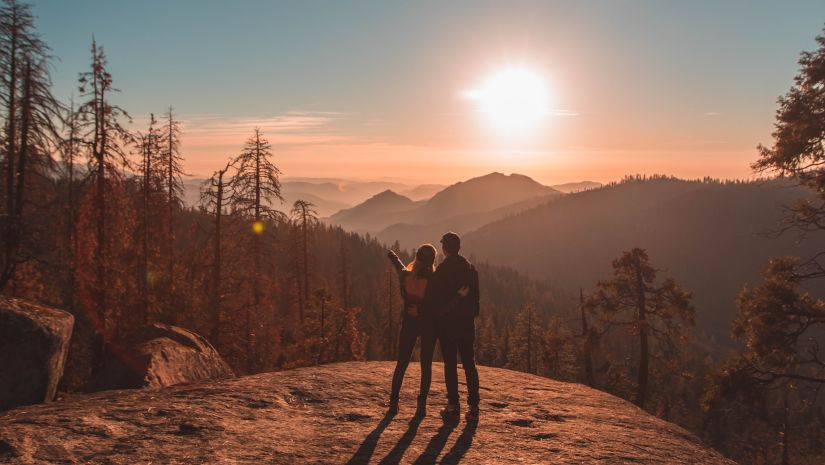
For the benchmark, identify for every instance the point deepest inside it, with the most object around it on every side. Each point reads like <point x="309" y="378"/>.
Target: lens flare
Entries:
<point x="258" y="227"/>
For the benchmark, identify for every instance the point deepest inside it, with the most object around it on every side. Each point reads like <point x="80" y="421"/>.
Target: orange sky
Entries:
<point x="373" y="89"/>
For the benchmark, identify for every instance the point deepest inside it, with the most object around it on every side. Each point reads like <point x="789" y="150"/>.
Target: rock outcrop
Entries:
<point x="157" y="356"/>
<point x="335" y="414"/>
<point x="34" y="341"/>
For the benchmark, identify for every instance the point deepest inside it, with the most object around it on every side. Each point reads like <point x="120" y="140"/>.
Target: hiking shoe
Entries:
<point x="451" y="413"/>
<point x="472" y="414"/>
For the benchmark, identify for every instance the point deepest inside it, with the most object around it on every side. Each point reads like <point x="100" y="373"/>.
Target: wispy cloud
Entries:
<point x="289" y="128"/>
<point x="213" y="131"/>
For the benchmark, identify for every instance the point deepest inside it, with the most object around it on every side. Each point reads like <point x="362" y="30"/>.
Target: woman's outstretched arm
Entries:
<point x="395" y="261"/>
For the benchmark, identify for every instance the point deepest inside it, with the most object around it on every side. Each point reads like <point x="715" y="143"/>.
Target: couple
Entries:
<point x="440" y="304"/>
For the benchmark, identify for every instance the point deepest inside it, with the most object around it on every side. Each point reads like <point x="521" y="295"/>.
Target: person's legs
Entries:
<point x="465" y="346"/>
<point x="448" y="352"/>
<point x="427" y="348"/>
<point x="406" y="343"/>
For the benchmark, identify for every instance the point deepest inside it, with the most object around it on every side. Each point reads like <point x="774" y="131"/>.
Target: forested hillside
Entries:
<point x="713" y="237"/>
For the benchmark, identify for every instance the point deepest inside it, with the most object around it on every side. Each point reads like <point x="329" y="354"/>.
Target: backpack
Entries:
<point x="473" y="304"/>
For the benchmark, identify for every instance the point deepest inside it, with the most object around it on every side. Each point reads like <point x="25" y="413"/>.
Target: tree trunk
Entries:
<point x="25" y="126"/>
<point x="644" y="351"/>
<point x="72" y="231"/>
<point x="306" y="255"/>
<point x="143" y="318"/>
<point x="256" y="292"/>
<point x="301" y="298"/>
<point x="11" y="153"/>
<point x="344" y="273"/>
<point x="11" y="119"/>
<point x="170" y="267"/>
<point x="529" y="340"/>
<point x="323" y="331"/>
<point x="216" y="270"/>
<point x="587" y="348"/>
<point x="99" y="147"/>
<point x="786" y="460"/>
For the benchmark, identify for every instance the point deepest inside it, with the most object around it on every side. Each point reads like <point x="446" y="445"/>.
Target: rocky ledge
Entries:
<point x="336" y="414"/>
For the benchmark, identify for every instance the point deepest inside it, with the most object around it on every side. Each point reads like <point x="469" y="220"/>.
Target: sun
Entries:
<point x="515" y="100"/>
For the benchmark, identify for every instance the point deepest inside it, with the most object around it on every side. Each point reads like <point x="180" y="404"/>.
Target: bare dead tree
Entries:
<point x="149" y="147"/>
<point x="255" y="186"/>
<point x="32" y="132"/>
<point x="213" y="200"/>
<point x="106" y="139"/>
<point x="172" y="170"/>
<point x="70" y="151"/>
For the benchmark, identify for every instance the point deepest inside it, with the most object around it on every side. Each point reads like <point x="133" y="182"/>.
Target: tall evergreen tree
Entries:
<point x="305" y="218"/>
<point x="779" y="371"/>
<point x="558" y="352"/>
<point x="589" y="338"/>
<point x="798" y="150"/>
<point x="632" y="300"/>
<point x="525" y="340"/>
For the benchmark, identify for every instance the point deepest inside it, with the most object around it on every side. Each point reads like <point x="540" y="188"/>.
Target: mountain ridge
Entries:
<point x="460" y="207"/>
<point x="711" y="237"/>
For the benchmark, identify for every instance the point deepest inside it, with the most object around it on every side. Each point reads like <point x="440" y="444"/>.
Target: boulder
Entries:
<point x="157" y="356"/>
<point x="34" y="341"/>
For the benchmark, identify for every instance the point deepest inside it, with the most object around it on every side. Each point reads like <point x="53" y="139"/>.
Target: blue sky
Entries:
<point x="372" y="88"/>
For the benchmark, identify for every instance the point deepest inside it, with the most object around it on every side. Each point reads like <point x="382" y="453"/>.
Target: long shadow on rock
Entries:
<point x="462" y="444"/>
<point x="436" y="445"/>
<point x="367" y="448"/>
<point x="394" y="456"/>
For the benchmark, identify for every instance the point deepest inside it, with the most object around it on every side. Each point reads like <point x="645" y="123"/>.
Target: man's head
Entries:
<point x="450" y="243"/>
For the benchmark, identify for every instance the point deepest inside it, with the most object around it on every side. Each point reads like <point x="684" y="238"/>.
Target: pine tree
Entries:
<point x="213" y="200"/>
<point x="487" y="341"/>
<point x="345" y="280"/>
<point x="305" y="218"/>
<point x="149" y="147"/>
<point x="632" y="300"/>
<point x="525" y="341"/>
<point x="172" y="173"/>
<point x="70" y="152"/>
<point x="779" y="371"/>
<point x="32" y="132"/>
<point x="558" y="352"/>
<point x="589" y="337"/>
<point x="797" y="150"/>
<point x="107" y="140"/>
<point x="255" y="186"/>
<point x="324" y="303"/>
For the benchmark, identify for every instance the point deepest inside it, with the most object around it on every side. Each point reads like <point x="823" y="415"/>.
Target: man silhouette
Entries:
<point x="455" y="325"/>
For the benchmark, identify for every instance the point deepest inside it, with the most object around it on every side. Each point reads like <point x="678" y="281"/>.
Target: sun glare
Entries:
<point x="515" y="100"/>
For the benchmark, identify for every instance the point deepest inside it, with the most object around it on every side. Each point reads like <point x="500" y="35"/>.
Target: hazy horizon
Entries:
<point x="373" y="90"/>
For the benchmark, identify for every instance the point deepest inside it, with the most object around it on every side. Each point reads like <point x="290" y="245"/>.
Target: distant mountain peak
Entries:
<point x="388" y="194"/>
